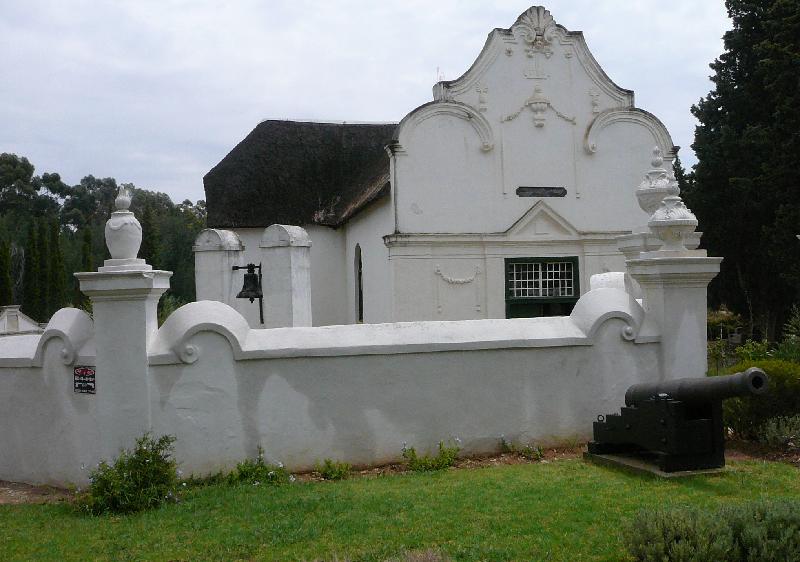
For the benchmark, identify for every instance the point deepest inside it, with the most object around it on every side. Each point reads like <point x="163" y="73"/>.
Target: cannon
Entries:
<point x="676" y="424"/>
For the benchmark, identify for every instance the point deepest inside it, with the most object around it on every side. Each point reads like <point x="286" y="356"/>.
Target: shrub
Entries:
<point x="753" y="350"/>
<point x="167" y="305"/>
<point x="764" y="531"/>
<point x="445" y="458"/>
<point x="527" y="451"/>
<point x="333" y="470"/>
<point x="257" y="472"/>
<point x="782" y="432"/>
<point x="717" y="353"/>
<point x="746" y="416"/>
<point x="791" y="329"/>
<point x="787" y="350"/>
<point x="139" y="479"/>
<point x="721" y="323"/>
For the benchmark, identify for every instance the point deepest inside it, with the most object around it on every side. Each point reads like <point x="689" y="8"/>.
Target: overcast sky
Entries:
<point x="156" y="92"/>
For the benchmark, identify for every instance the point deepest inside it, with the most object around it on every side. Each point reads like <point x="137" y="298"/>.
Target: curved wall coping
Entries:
<point x="72" y="326"/>
<point x="172" y="343"/>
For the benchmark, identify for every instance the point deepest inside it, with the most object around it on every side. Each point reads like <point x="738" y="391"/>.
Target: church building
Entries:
<point x="499" y="198"/>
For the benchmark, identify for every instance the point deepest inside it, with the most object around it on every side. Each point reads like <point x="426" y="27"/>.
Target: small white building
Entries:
<point x="499" y="198"/>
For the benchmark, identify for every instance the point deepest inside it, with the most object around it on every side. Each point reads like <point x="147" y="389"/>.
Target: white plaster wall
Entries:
<point x="329" y="303"/>
<point x="47" y="432"/>
<point x="367" y="229"/>
<point x="361" y="408"/>
<point x="328" y="276"/>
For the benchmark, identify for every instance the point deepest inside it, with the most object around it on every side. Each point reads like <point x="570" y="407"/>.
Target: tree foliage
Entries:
<point x="6" y="286"/>
<point x="744" y="188"/>
<point x="31" y="302"/>
<point x="53" y="229"/>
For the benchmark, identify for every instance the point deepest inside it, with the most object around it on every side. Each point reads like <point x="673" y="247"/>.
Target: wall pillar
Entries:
<point x="286" y="266"/>
<point x="124" y="295"/>
<point x="674" y="282"/>
<point x="215" y="253"/>
<point x="674" y="290"/>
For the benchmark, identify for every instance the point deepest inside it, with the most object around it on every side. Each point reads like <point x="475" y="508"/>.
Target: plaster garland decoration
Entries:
<point x="455" y="280"/>
<point x="458" y="281"/>
<point x="657" y="184"/>
<point x="538" y="104"/>
<point x="672" y="223"/>
<point x="123" y="232"/>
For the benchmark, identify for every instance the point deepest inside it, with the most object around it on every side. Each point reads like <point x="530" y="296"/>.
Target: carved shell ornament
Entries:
<point x="658" y="183"/>
<point x="536" y="27"/>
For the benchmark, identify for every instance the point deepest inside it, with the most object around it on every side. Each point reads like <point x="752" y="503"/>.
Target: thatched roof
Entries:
<point x="293" y="172"/>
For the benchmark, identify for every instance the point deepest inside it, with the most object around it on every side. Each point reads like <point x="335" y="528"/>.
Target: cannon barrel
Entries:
<point x="751" y="381"/>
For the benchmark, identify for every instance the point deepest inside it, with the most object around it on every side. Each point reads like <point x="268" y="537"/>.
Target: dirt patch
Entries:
<point x="549" y="455"/>
<point x="748" y="450"/>
<point x="16" y="493"/>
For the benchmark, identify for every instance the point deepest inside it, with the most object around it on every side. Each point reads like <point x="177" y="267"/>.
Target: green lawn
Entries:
<point x="562" y="510"/>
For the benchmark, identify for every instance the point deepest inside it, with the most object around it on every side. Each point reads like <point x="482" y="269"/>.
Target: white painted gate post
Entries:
<point x="124" y="295"/>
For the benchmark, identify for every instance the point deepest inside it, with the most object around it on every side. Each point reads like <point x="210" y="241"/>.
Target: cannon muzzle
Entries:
<point x="693" y="390"/>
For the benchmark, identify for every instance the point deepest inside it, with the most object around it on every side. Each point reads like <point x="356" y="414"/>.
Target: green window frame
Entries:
<point x="541" y="286"/>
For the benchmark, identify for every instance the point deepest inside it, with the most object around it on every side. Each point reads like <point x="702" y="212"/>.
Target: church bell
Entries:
<point x="251" y="289"/>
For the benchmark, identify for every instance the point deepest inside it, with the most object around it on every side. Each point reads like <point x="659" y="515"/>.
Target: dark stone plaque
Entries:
<point x="541" y="191"/>
<point x="83" y="378"/>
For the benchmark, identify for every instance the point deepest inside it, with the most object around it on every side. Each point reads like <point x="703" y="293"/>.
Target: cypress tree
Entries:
<point x="745" y="191"/>
<point x="5" y="274"/>
<point x="45" y="275"/>
<point x="87" y="264"/>
<point x="57" y="273"/>
<point x="31" y="302"/>
<point x="149" y="248"/>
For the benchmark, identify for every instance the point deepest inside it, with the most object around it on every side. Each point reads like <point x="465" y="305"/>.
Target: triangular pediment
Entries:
<point x="541" y="222"/>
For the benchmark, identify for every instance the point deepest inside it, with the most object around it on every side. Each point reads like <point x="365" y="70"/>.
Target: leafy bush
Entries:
<point x="791" y="329"/>
<point x="257" y="472"/>
<point x="721" y="323"/>
<point x="527" y="451"/>
<point x="445" y="458"/>
<point x="763" y="531"/>
<point x="333" y="470"/>
<point x="746" y="416"/>
<point x="782" y="432"/>
<point x="718" y="354"/>
<point x="787" y="350"/>
<point x="753" y="350"/>
<point x="139" y="479"/>
<point x="167" y="305"/>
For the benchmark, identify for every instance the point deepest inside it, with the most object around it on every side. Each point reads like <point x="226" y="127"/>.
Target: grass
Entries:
<point x="564" y="510"/>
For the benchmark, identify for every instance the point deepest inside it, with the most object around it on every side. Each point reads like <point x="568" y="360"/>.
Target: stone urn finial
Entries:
<point x="657" y="184"/>
<point x="123" y="232"/>
<point x="673" y="222"/>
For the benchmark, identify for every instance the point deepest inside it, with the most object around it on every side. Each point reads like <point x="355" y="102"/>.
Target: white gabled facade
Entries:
<point x="533" y="153"/>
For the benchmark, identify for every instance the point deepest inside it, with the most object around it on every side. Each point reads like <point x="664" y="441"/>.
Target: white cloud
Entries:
<point x="157" y="92"/>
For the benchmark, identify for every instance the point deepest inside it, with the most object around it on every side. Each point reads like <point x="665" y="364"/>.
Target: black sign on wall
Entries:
<point x="523" y="191"/>
<point x="83" y="379"/>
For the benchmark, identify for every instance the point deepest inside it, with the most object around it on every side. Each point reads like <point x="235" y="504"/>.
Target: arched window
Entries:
<point x="358" y="268"/>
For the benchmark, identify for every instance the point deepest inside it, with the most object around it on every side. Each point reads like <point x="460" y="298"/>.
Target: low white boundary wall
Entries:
<point x="358" y="392"/>
<point x="354" y="393"/>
